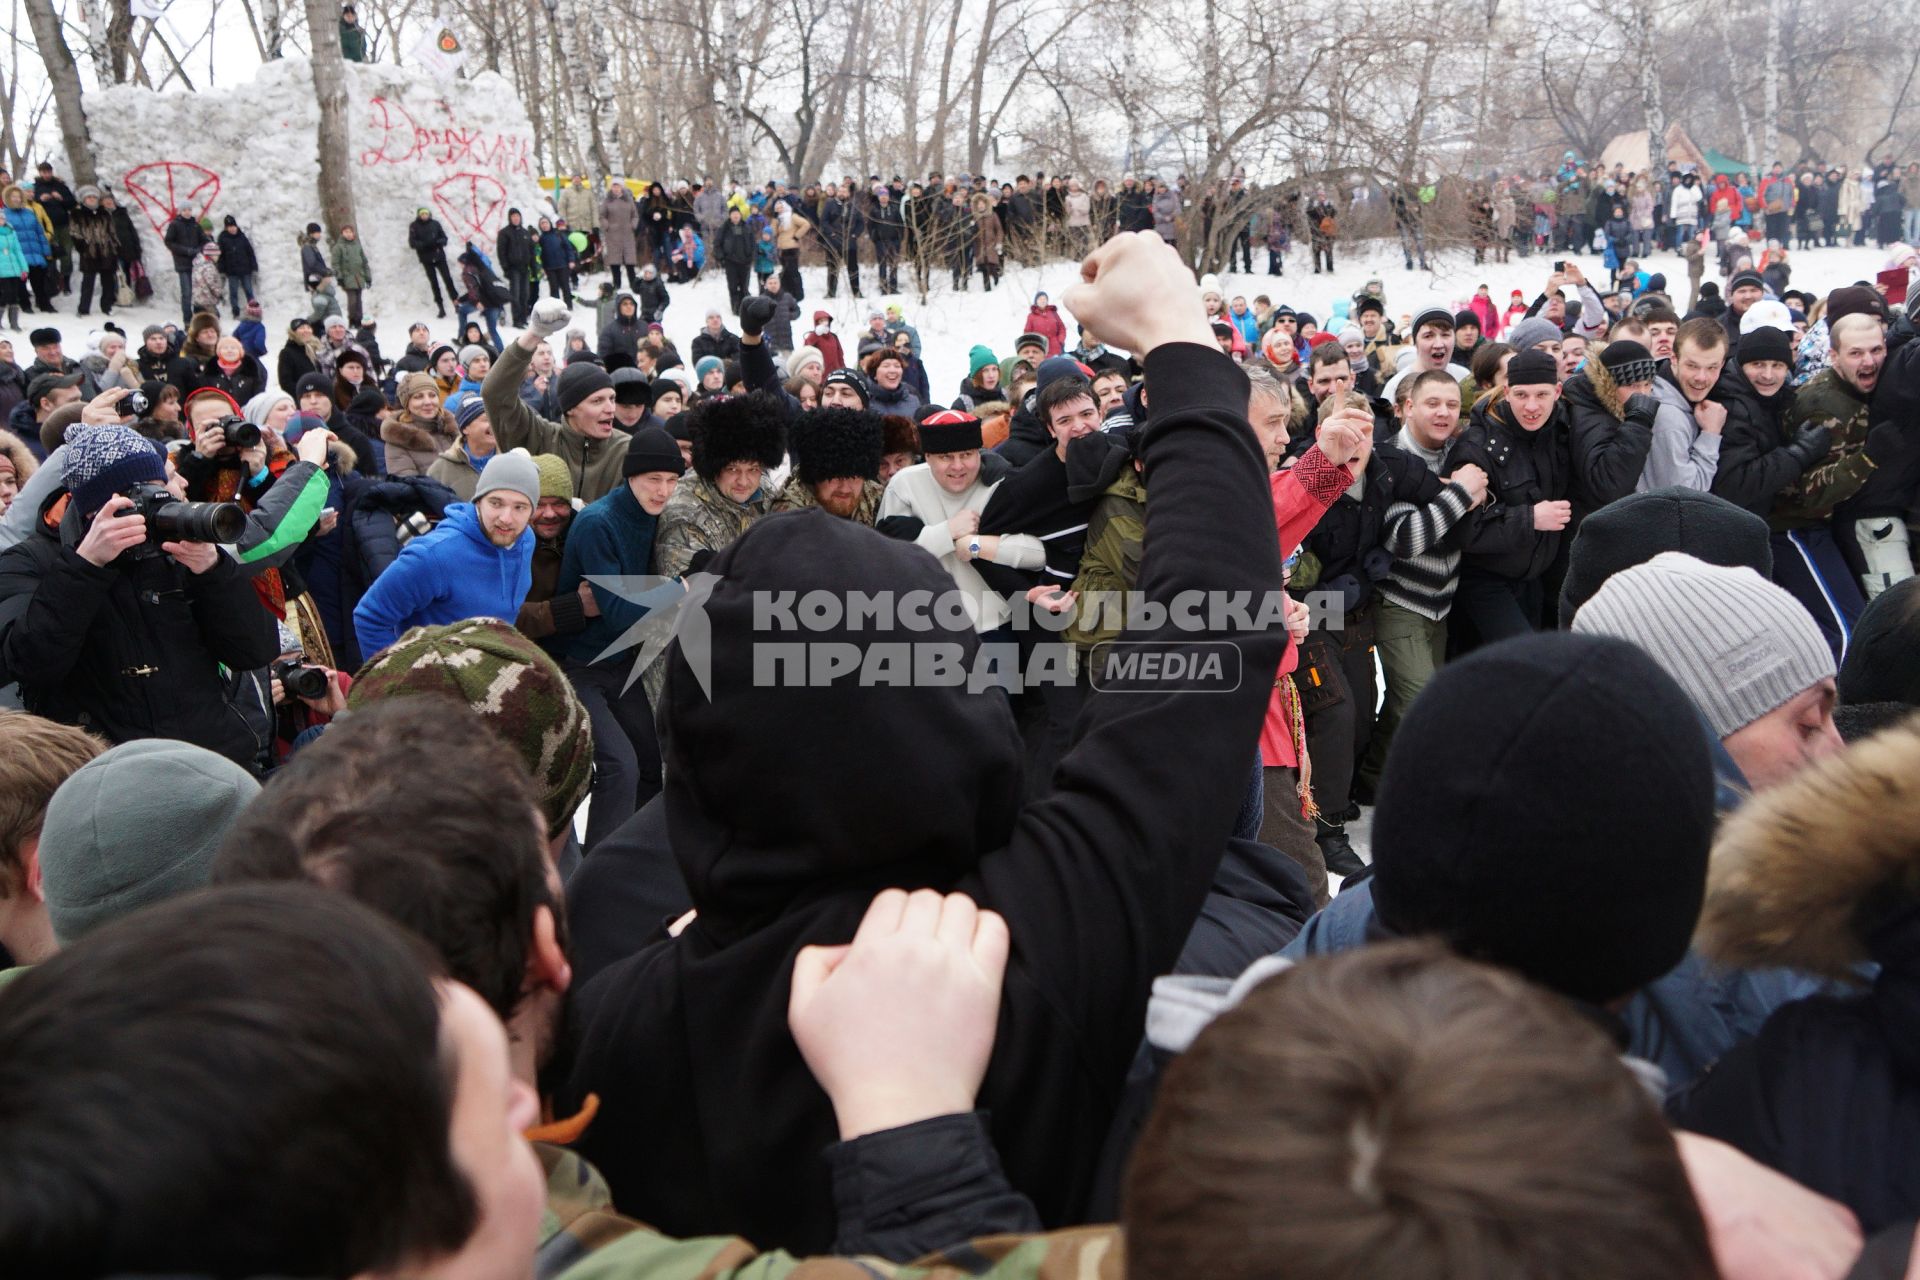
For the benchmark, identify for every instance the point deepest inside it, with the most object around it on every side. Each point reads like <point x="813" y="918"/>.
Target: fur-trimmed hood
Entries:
<point x="15" y="450"/>
<point x="407" y="432"/>
<point x="1803" y="871"/>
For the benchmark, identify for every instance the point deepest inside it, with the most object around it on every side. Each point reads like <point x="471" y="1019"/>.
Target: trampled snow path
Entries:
<point x="953" y="322"/>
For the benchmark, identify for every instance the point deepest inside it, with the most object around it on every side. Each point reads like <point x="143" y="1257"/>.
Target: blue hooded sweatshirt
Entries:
<point x="448" y="574"/>
<point x="612" y="537"/>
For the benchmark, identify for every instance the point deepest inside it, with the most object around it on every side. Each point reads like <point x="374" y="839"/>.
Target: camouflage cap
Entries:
<point x="514" y="686"/>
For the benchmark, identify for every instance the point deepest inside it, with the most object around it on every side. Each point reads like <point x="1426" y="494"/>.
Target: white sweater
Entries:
<point x="914" y="492"/>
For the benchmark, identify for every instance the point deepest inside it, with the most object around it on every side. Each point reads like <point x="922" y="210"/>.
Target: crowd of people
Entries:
<point x="475" y="813"/>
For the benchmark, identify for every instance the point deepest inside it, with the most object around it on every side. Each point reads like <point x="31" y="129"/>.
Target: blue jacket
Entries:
<point x="253" y="336"/>
<point x="448" y="574"/>
<point x="611" y="537"/>
<point x="1681" y="1022"/>
<point x="32" y="236"/>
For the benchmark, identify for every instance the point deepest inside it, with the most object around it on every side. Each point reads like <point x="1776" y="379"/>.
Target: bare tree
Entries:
<point x="64" y="77"/>
<point x="330" y="89"/>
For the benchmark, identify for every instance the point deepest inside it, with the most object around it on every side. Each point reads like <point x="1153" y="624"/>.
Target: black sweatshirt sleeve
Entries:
<point x="904" y="1193"/>
<point x="1104" y="876"/>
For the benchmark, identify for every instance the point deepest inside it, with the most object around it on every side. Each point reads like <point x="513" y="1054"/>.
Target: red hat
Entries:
<point x="1517" y="294"/>
<point x="818" y="316"/>
<point x="211" y="391"/>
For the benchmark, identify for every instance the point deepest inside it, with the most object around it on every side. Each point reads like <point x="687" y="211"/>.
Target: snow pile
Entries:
<point x="463" y="149"/>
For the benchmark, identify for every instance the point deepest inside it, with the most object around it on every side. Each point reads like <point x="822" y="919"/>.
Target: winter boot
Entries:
<point x="1336" y="849"/>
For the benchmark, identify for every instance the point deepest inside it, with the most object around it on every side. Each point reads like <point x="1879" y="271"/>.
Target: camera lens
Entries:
<point x="240" y="433"/>
<point x="303" y="681"/>
<point x="197" y="522"/>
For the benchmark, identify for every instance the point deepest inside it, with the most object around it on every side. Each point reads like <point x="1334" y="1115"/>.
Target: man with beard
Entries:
<point x="736" y="441"/>
<point x="613" y="539"/>
<point x="476" y="563"/>
<point x="549" y="615"/>
<point x="836" y="465"/>
<point x="1520" y="441"/>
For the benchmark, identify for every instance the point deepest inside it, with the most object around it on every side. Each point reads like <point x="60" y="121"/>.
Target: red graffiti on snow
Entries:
<point x="166" y="187"/>
<point x="400" y="139"/>
<point x="473" y="203"/>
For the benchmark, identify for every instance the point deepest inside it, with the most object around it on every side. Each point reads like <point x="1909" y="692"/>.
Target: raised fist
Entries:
<point x="550" y="316"/>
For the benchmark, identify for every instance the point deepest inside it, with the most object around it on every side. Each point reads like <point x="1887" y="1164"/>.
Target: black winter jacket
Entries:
<point x="132" y="650"/>
<point x="428" y="240"/>
<point x="1609" y="449"/>
<point x="1349" y="538"/>
<point x="236" y="254"/>
<point x="1523" y="467"/>
<point x="1754" y="462"/>
<point x="183" y="239"/>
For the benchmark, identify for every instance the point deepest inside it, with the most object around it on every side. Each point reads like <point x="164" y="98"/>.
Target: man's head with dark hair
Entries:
<point x="259" y="1080"/>
<point x="1329" y="371"/>
<point x="414" y="808"/>
<point x="1067" y="408"/>
<point x="1397" y="1113"/>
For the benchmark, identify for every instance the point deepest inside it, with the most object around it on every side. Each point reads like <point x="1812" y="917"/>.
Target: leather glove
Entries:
<point x="1642" y="409"/>
<point x="550" y="316"/>
<point x="1810" y="447"/>
<point x="1353" y="592"/>
<point x="754" y="314"/>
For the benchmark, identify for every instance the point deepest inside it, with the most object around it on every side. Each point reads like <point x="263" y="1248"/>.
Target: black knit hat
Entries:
<point x="1881" y="664"/>
<point x="1432" y="315"/>
<point x="833" y="443"/>
<point x="1462" y="319"/>
<point x="749" y="428"/>
<point x="680" y="426"/>
<point x="577" y="382"/>
<point x="652" y="449"/>
<point x="1629" y="362"/>
<point x="850" y="378"/>
<point x="1741" y="279"/>
<point x="949" y="431"/>
<point x="1640" y="526"/>
<point x="1566" y="835"/>
<point x="1766" y="343"/>
<point x="310" y="383"/>
<point x="1533" y="367"/>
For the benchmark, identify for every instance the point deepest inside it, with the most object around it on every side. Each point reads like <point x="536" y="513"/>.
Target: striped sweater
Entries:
<point x="1426" y="563"/>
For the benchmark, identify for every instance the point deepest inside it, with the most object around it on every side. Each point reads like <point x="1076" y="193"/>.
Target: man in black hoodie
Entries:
<point x="708" y="1119"/>
<point x="513" y="252"/>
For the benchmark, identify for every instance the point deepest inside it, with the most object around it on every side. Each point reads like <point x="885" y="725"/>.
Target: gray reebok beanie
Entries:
<point x="513" y="470"/>
<point x="1531" y="332"/>
<point x="136" y="825"/>
<point x="1739" y="645"/>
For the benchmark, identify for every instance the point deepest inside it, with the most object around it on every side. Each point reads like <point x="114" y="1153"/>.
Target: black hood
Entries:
<point x="775" y="794"/>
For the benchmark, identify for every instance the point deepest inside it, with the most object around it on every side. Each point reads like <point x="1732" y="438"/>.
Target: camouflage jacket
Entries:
<point x="796" y="495"/>
<point x="700" y="518"/>
<point x="1829" y="401"/>
<point x="583" y="1238"/>
<point x="1110" y="565"/>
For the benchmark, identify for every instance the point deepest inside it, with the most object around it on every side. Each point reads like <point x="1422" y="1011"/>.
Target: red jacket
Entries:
<point x="1301" y="495"/>
<point x="1046" y="322"/>
<point x="829" y="347"/>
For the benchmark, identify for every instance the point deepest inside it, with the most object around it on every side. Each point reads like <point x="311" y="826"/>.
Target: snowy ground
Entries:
<point x="951" y="323"/>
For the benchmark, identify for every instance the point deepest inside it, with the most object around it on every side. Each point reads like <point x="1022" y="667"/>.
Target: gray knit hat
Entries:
<point x="1531" y="332"/>
<point x="1739" y="645"/>
<point x="133" y="826"/>
<point x="512" y="470"/>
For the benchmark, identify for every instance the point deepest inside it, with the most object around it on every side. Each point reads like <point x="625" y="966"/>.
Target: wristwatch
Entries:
<point x="973" y="547"/>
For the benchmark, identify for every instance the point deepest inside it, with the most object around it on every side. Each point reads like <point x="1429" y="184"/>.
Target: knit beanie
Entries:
<point x="474" y="351"/>
<point x="512" y="470"/>
<point x="133" y="826"/>
<point x="1766" y="343"/>
<point x="263" y="404"/>
<point x="1567" y="835"/>
<point x="1531" y="332"/>
<point x="706" y="365"/>
<point x="577" y="382"/>
<point x="652" y="449"/>
<point x="1883" y="657"/>
<point x="518" y="690"/>
<point x="1638" y="527"/>
<point x="471" y="407"/>
<point x="311" y="383"/>
<point x="103" y="461"/>
<point x="1739" y="645"/>
<point x="555" y="480"/>
<point x="1533" y="368"/>
<point x="415" y="383"/>
<point x="1466" y="319"/>
<point x="979" y="358"/>
<point x="801" y="357"/>
<point x="367" y="402"/>
<point x="851" y="378"/>
<point x="1056" y="367"/>
<point x="1629" y="362"/>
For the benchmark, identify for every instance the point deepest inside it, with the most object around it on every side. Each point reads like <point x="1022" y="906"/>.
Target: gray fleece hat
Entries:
<point x="136" y="825"/>
<point x="1531" y="332"/>
<point x="1739" y="645"/>
<point x="513" y="470"/>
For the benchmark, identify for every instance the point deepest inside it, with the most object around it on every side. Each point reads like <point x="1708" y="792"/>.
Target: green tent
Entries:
<point x="1721" y="162"/>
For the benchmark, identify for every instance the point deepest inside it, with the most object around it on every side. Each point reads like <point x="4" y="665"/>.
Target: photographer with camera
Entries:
<point x="118" y="611"/>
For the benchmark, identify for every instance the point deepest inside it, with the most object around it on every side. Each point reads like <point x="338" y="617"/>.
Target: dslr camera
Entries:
<point x="299" y="679"/>
<point x="240" y="433"/>
<point x="171" y="520"/>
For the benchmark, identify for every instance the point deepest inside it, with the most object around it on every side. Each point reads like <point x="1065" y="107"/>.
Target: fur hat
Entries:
<point x="832" y="443"/>
<point x="746" y="428"/>
<point x="898" y="436"/>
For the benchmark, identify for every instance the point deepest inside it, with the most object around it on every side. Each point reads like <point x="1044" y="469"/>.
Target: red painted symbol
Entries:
<point x="472" y="202"/>
<point x="167" y="187"/>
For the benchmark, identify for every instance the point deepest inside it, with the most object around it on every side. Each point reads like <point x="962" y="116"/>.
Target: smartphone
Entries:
<point x="1560" y="264"/>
